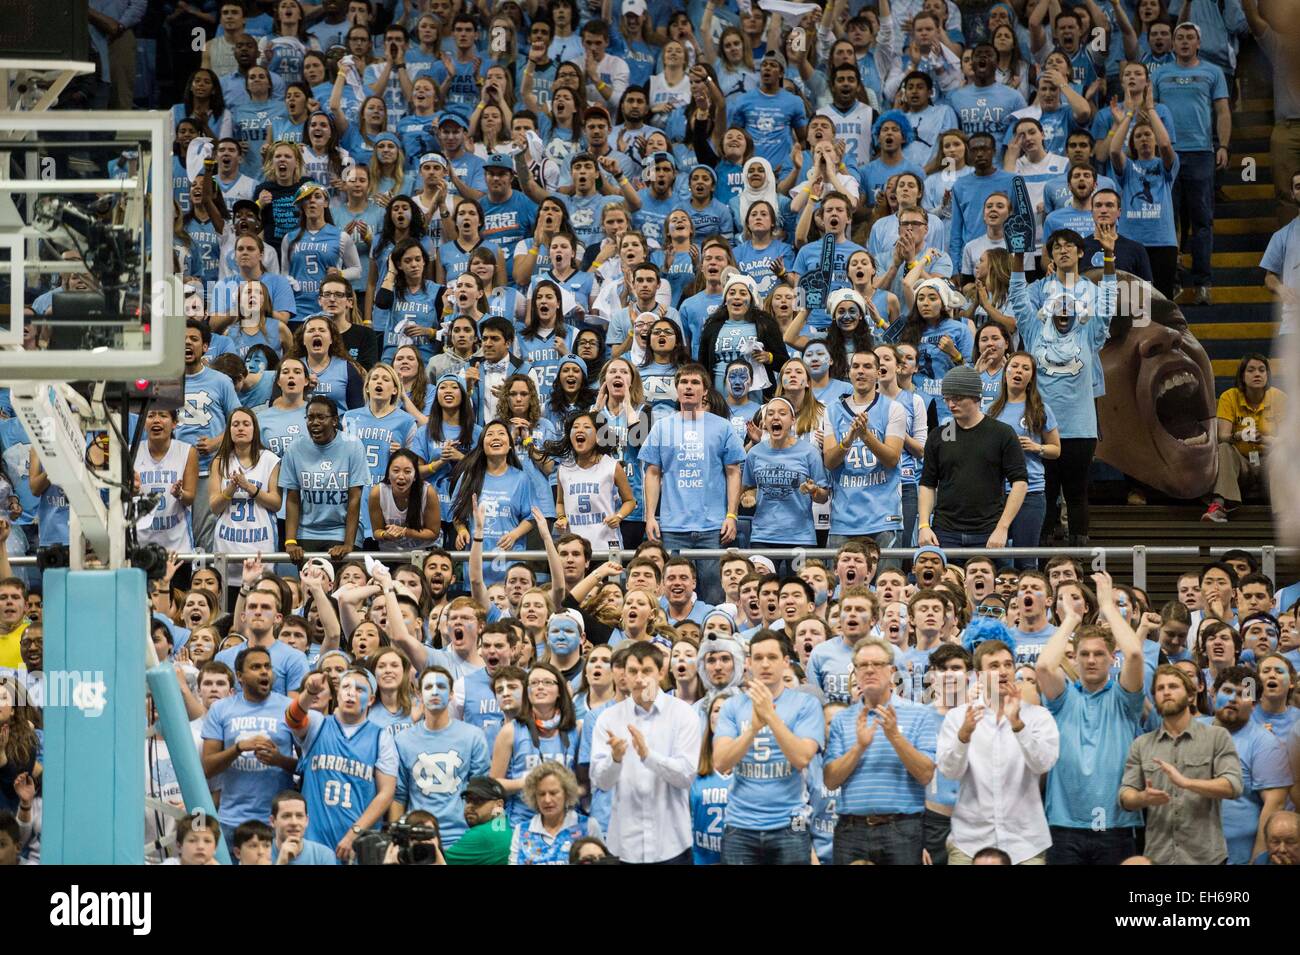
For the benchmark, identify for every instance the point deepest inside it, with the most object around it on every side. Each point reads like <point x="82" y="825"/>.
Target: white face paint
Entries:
<point x="435" y="692"/>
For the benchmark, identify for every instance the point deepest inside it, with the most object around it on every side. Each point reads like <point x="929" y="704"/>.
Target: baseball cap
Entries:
<point x="305" y="190"/>
<point x="483" y="789"/>
<point x="774" y="55"/>
<point x="499" y="161"/>
<point x="570" y="613"/>
<point x="324" y="564"/>
<point x="636" y="7"/>
<point x="451" y="116"/>
<point x="248" y="204"/>
<point x="963" y="382"/>
<point x="655" y="158"/>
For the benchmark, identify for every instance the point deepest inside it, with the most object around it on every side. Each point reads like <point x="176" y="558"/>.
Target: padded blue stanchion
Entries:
<point x="175" y="725"/>
<point x="93" y="787"/>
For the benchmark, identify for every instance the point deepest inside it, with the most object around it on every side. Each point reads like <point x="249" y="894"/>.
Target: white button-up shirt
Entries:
<point x="999" y="803"/>
<point x="650" y="819"/>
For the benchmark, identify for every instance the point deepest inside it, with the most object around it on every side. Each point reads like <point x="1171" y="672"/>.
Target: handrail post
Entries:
<point x="1140" y="567"/>
<point x="1268" y="563"/>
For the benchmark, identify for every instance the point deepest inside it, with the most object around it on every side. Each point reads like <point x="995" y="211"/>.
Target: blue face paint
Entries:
<point x="848" y="315"/>
<point x="1224" y="697"/>
<point x="738" y="380"/>
<point x="562" y="637"/>
<point x="817" y="358"/>
<point x="435" y="693"/>
<point x="255" y="361"/>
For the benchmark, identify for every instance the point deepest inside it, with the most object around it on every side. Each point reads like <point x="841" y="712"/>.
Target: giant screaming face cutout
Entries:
<point x="1157" y="418"/>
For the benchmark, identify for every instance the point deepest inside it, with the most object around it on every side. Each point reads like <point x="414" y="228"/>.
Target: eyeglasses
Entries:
<point x="335" y="295"/>
<point x="535" y="684"/>
<point x="870" y="665"/>
<point x="993" y="611"/>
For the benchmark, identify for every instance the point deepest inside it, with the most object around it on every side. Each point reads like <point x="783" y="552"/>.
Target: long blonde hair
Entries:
<point x="810" y="411"/>
<point x="392" y="373"/>
<point x="635" y="390"/>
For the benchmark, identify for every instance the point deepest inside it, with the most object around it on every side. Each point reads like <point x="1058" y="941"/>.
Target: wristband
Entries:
<point x="478" y="540"/>
<point x="597" y="264"/>
<point x="290" y="541"/>
<point x="534" y="250"/>
<point x="924" y="527"/>
<point x="731" y="517"/>
<point x="528" y="439"/>
<point x="1108" y="258"/>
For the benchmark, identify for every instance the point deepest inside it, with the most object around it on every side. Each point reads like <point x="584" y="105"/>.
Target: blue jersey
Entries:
<point x="338" y="769"/>
<point x="561" y="748"/>
<point x="205" y="250"/>
<point x="308" y="257"/>
<point x="480" y="707"/>
<point x="377" y="434"/>
<point x="413" y="309"/>
<point x="932" y="362"/>
<point x="248" y="785"/>
<point x="251" y="123"/>
<point x="822" y="809"/>
<point x="332" y="382"/>
<point x="543" y="358"/>
<point x="323" y="474"/>
<point x="241" y="341"/>
<point x="757" y="264"/>
<point x="868" y="497"/>
<point x="52" y="517"/>
<point x="16" y="448"/>
<point x="766" y="791"/>
<point x="433" y="768"/>
<point x="783" y="513"/>
<point x="210" y="399"/>
<point x="380" y="258"/>
<point x="708" y="816"/>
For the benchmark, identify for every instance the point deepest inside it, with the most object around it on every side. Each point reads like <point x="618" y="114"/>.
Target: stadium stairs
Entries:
<point x="1239" y="320"/>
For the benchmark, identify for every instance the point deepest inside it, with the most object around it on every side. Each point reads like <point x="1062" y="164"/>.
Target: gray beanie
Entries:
<point x="962" y="381"/>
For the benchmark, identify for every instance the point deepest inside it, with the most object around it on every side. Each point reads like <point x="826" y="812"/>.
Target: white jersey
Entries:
<point x="396" y="515"/>
<point x="168" y="524"/>
<point x="590" y="496"/>
<point x="241" y="188"/>
<point x="246" y="527"/>
<point x="854" y="129"/>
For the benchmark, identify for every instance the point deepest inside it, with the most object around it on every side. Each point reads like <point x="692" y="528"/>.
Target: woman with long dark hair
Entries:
<point x="1248" y="417"/>
<point x="942" y="341"/>
<point x="1020" y="405"/>
<point x="412" y="301"/>
<point x="402" y="220"/>
<point x="336" y="376"/>
<point x="740" y="329"/>
<point x="446" y="439"/>
<point x="517" y="403"/>
<point x="403" y="508"/>
<point x="205" y="103"/>
<point x="323" y="160"/>
<point x="492" y="476"/>
<point x="545" y="338"/>
<point x="665" y="352"/>
<point x="572" y="392"/>
<point x="588" y="477"/>
<point x="417" y="394"/>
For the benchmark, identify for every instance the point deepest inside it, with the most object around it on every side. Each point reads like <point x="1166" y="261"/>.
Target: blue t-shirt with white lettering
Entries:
<point x="248" y="784"/>
<point x="322" y="475"/>
<point x="692" y="455"/>
<point x="783" y="513"/>
<point x="766" y="790"/>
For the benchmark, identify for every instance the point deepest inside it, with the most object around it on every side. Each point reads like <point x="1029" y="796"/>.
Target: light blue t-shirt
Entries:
<point x="1190" y="92"/>
<point x="766" y="790"/>
<point x="433" y="768"/>
<point x="1013" y="414"/>
<point x="210" y="399"/>
<point x="1097" y="731"/>
<point x="867" y="495"/>
<point x="1148" y="215"/>
<point x="288" y="665"/>
<point x="770" y="121"/>
<point x="248" y="784"/>
<point x="1264" y="765"/>
<point x="322" y="475"/>
<point x="828" y="668"/>
<point x="985" y="109"/>
<point x="692" y="455"/>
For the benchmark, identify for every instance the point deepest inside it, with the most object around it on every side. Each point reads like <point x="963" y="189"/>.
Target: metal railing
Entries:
<point x="1097" y="557"/>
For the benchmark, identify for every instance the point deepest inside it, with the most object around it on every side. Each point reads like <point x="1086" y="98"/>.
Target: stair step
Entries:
<point x="1251" y="105"/>
<point x="1226" y="368"/>
<point x="1251" y="191"/>
<point x="1254" y="242"/>
<point x="1233" y="331"/>
<point x="1226" y="260"/>
<point x="1263" y="159"/>
<point x="1264" y="208"/>
<point x="1243" y="226"/>
<point x="1238" y="312"/>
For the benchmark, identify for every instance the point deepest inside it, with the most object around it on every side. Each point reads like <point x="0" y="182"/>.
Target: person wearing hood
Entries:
<point x="760" y="210"/>
<point x="892" y="133"/>
<point x="721" y="665"/>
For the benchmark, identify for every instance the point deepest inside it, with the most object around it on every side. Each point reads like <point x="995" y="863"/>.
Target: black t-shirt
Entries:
<point x="598" y="633"/>
<point x="280" y="218"/>
<point x="361" y="344"/>
<point x="967" y="468"/>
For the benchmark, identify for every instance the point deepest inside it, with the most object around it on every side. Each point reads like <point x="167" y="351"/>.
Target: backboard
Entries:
<point x="87" y="284"/>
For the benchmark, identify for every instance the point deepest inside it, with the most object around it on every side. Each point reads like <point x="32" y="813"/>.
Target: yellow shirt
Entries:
<point x="9" y="655"/>
<point x="1243" y="416"/>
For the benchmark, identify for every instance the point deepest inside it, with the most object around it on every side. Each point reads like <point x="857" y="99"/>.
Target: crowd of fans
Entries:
<point x="649" y="277"/>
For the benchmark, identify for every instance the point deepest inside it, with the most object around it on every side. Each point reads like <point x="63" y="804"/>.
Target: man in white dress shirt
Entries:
<point x="646" y="749"/>
<point x="998" y="747"/>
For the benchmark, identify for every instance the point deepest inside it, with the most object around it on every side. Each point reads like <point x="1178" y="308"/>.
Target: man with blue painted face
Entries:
<point x="436" y="758"/>
<point x="738" y="383"/>
<point x="826" y="389"/>
<point x="349" y="764"/>
<point x="1266" y="774"/>
<point x="564" y="634"/>
<point x="868" y="431"/>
